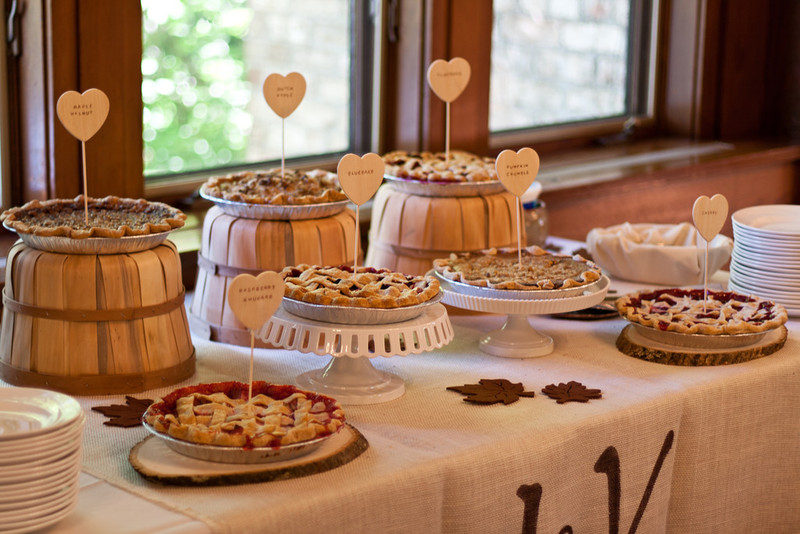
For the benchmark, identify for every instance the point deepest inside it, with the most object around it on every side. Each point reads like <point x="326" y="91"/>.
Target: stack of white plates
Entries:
<point x="766" y="254"/>
<point x="41" y="445"/>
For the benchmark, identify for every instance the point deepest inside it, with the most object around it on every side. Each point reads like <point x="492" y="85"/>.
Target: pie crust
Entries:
<point x="682" y="311"/>
<point x="500" y="269"/>
<point x="111" y="216"/>
<point x="219" y="414"/>
<point x="367" y="288"/>
<point x="432" y="167"/>
<point x="270" y="187"/>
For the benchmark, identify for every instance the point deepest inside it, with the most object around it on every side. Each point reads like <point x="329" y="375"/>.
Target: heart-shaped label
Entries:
<point x="83" y="114"/>
<point x="253" y="299"/>
<point x="284" y="93"/>
<point x="517" y="170"/>
<point x="361" y="176"/>
<point x="448" y="79"/>
<point x="709" y="215"/>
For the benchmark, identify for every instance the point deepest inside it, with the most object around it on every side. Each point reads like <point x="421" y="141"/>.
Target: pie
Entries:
<point x="432" y="167"/>
<point x="500" y="269"/>
<point x="108" y="217"/>
<point x="367" y="288"/>
<point x="270" y="187"/>
<point x="220" y="414"/>
<point x="684" y="311"/>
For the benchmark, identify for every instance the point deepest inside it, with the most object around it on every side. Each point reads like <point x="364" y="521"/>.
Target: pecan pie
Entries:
<point x="683" y="311"/>
<point x="270" y="187"/>
<point x="500" y="269"/>
<point x="220" y="414"/>
<point x="432" y="167"/>
<point x="367" y="288"/>
<point x="108" y="217"/>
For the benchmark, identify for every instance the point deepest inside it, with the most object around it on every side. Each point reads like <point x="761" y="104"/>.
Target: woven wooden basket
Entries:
<point x="95" y="324"/>
<point x="235" y="245"/>
<point x="408" y="232"/>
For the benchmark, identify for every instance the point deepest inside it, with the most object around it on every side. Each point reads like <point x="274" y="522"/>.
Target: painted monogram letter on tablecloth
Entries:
<point x="608" y="463"/>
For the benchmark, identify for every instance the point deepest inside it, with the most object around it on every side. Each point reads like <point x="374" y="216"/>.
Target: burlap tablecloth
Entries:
<point x="666" y="449"/>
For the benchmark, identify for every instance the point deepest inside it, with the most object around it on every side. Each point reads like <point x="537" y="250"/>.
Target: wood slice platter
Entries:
<point x="152" y="459"/>
<point x="631" y="343"/>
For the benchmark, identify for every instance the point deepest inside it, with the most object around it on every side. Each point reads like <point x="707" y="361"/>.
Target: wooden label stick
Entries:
<point x="283" y="94"/>
<point x="253" y="300"/>
<point x="709" y="215"/>
<point x="359" y="178"/>
<point x="448" y="79"/>
<point x="517" y="171"/>
<point x="83" y="115"/>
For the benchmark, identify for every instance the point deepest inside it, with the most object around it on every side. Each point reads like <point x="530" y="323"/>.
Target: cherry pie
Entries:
<point x="500" y="269"/>
<point x="432" y="167"/>
<point x="219" y="414"/>
<point x="682" y="310"/>
<point x="367" y="288"/>
<point x="270" y="187"/>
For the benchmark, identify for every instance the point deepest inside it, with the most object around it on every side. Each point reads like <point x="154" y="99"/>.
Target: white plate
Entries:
<point x="39" y="453"/>
<point x="26" y="513"/>
<point x="70" y="463"/>
<point x="780" y="281"/>
<point x="765" y="266"/>
<point x="72" y="430"/>
<point x="777" y="245"/>
<point x="749" y="288"/>
<point x="40" y="499"/>
<point x="26" y="412"/>
<point x="9" y="492"/>
<point x="39" y="523"/>
<point x="766" y="260"/>
<point x="776" y="219"/>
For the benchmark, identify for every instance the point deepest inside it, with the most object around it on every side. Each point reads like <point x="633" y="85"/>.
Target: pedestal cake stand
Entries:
<point x="517" y="338"/>
<point x="350" y="377"/>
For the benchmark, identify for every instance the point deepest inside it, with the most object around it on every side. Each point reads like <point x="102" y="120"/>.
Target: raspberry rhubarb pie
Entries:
<point x="686" y="311"/>
<point x="275" y="188"/>
<point x="220" y="414"/>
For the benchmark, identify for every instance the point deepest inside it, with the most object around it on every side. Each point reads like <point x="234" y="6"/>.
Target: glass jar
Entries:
<point x="534" y="214"/>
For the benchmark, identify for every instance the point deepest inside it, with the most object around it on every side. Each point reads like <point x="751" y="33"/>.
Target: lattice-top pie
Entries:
<point x="220" y="414"/>
<point x="500" y="269"/>
<point x="682" y="310"/>
<point x="270" y="187"/>
<point x="108" y="217"/>
<point x="367" y="288"/>
<point x="432" y="167"/>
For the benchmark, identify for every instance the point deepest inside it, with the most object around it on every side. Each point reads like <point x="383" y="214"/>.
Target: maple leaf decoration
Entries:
<point x="125" y="415"/>
<point x="571" y="392"/>
<point x="488" y="391"/>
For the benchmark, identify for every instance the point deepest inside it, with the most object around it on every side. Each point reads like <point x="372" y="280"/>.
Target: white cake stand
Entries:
<point x="517" y="338"/>
<point x="350" y="377"/>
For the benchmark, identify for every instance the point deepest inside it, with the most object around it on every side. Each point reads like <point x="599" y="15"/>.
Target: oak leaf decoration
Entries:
<point x="125" y="415"/>
<point x="488" y="391"/>
<point x="572" y="391"/>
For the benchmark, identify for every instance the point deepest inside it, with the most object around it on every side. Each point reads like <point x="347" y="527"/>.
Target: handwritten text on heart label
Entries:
<point x="253" y="299"/>
<point x="360" y="177"/>
<point x="83" y="114"/>
<point x="284" y="93"/>
<point x="517" y="170"/>
<point x="448" y="79"/>
<point x="709" y="215"/>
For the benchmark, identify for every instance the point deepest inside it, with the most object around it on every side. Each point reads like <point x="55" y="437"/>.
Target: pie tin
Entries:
<point x="515" y="294"/>
<point x="698" y="341"/>
<point x="239" y="455"/>
<point x="353" y="315"/>
<point x="444" y="189"/>
<point x="274" y="212"/>
<point x="94" y="245"/>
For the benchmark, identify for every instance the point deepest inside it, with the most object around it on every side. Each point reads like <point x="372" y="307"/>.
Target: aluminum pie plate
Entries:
<point x="512" y="294"/>
<point x="353" y="315"/>
<point x="698" y="341"/>
<point x="94" y="245"/>
<point x="444" y="189"/>
<point x="239" y="455"/>
<point x="272" y="212"/>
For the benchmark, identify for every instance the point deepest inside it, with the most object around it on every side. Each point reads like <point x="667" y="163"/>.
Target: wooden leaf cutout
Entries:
<point x="83" y="114"/>
<point x="488" y="391"/>
<point x="360" y="177"/>
<point x="284" y="93"/>
<point x="125" y="415"/>
<point x="709" y="215"/>
<point x="448" y="79"/>
<point x="571" y="392"/>
<point x="517" y="170"/>
<point x="253" y="299"/>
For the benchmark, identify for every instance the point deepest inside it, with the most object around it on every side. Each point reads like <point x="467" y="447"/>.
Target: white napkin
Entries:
<point x="665" y="254"/>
